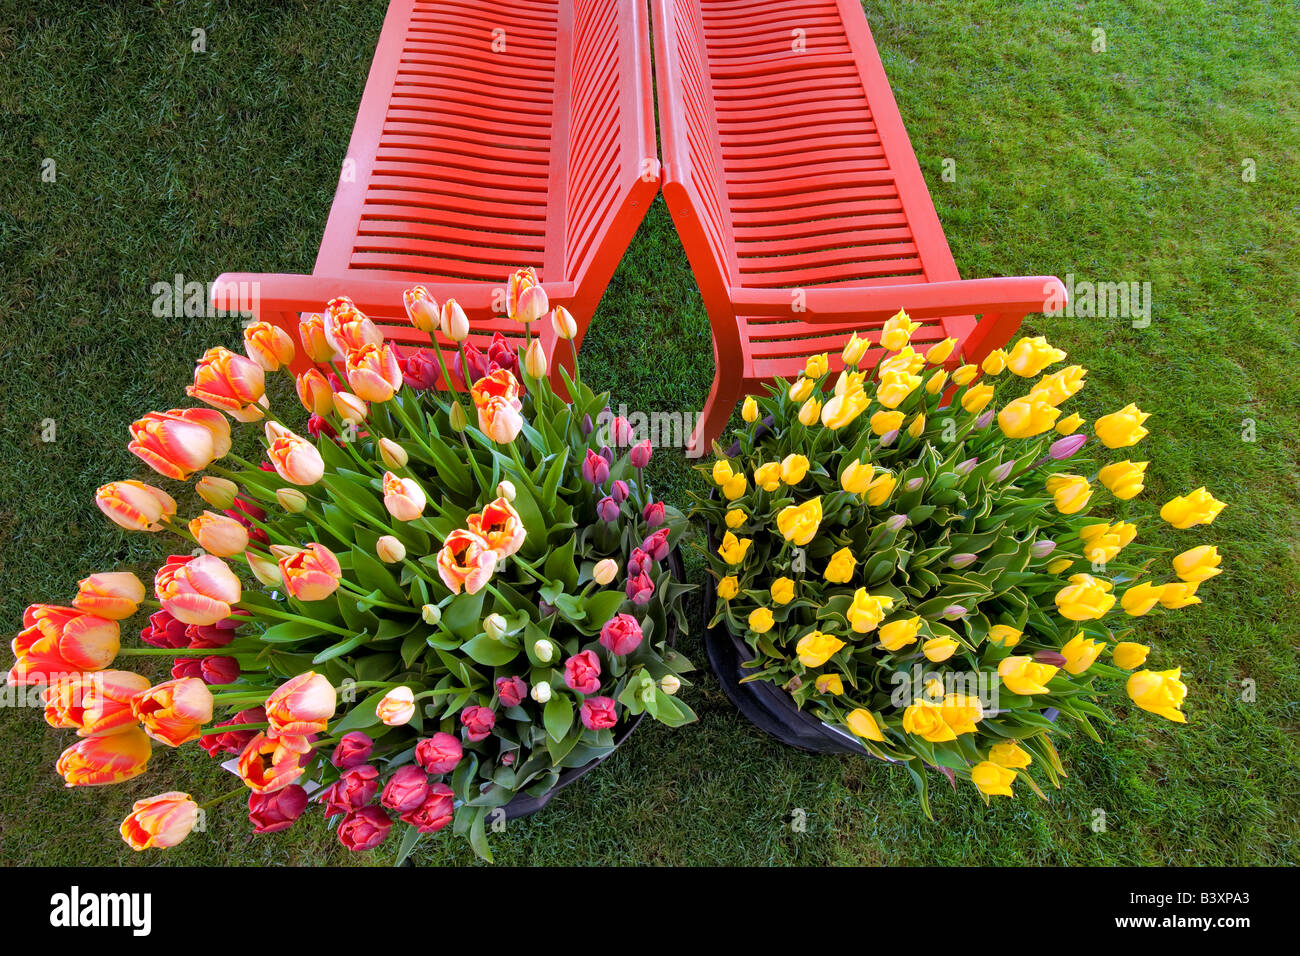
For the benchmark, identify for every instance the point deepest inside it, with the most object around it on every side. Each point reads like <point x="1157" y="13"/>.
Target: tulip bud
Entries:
<point x="1050" y="657"/>
<point x="421" y="309"/>
<point x="432" y="614"/>
<point x="392" y="454"/>
<point x="953" y="612"/>
<point x="389" y="549"/>
<point x="587" y="426"/>
<point x="265" y="570"/>
<point x="962" y="560"/>
<point x="455" y="324"/>
<point x="896" y="523"/>
<point x="1064" y="448"/>
<point x="670" y="685"/>
<point x="1003" y="471"/>
<point x="506" y="490"/>
<point x="564" y="324"/>
<point x="349" y="407"/>
<point x="494" y="625"/>
<point x="1041" y="549"/>
<point x="535" y="360"/>
<point x="619" y="491"/>
<point x="397" y="707"/>
<point x="218" y="492"/>
<point x="914" y="484"/>
<point x="457" y="417"/>
<point x="605" y="571"/>
<point x="985" y="419"/>
<point x="541" y="691"/>
<point x="291" y="500"/>
<point x="967" y="466"/>
<point x="640" y="453"/>
<point x="888" y="438"/>
<point x="544" y="650"/>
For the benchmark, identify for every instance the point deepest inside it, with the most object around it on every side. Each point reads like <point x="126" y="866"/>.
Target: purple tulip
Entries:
<point x="607" y="508"/>
<point x="1041" y="549"/>
<point x="1063" y="448"/>
<point x="1003" y="471"/>
<point x="587" y="426"/>
<point x="954" y="611"/>
<point x="888" y="438"/>
<point x="595" y="468"/>
<point x="914" y="483"/>
<point x="963" y="560"/>
<point x="896" y="522"/>
<point x="619" y="491"/>
<point x="985" y="420"/>
<point x="621" y="431"/>
<point x="653" y="514"/>
<point x="967" y="466"/>
<point x="640" y="453"/>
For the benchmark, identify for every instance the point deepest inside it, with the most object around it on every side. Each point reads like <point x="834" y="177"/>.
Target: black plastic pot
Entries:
<point x="524" y="804"/>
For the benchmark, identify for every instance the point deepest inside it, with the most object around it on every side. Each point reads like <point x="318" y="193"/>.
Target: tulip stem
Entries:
<point x="372" y="601"/>
<point x="469" y="453"/>
<point x="176" y="652"/>
<point x="223" y="798"/>
<point x="531" y="570"/>
<point x="577" y="376"/>
<point x="288" y="616"/>
<point x="229" y="728"/>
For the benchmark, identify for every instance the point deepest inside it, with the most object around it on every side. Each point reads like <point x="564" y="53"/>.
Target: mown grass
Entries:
<point x="1122" y="165"/>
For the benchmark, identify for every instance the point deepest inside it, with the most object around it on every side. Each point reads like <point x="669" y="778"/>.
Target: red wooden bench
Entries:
<point x="798" y="198"/>
<point x="492" y="134"/>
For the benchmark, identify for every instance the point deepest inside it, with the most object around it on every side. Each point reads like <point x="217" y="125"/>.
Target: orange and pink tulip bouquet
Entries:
<point x="436" y="603"/>
<point x="912" y="557"/>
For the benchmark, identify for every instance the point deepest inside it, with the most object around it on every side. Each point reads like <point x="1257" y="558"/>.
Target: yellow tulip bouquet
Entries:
<point x="912" y="557"/>
<point x="431" y="612"/>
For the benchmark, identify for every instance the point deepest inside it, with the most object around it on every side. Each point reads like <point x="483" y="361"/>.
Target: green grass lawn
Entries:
<point x="1123" y="165"/>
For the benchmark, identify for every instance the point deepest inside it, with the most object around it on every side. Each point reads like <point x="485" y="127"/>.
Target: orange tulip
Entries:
<point x="229" y="382"/>
<point x="397" y="707"/>
<point x="269" y="764"/>
<point x="311" y="574"/>
<point x="500" y="526"/>
<point x="171" y="445"/>
<point x="373" y="372"/>
<point x="174" y="711"/>
<point x="500" y="384"/>
<point x="311" y="332"/>
<point x="197" y="590"/>
<point x="301" y="705"/>
<point x="161" y="821"/>
<point x="111" y="758"/>
<point x="526" y="300"/>
<point x="58" y="641"/>
<point x="403" y="497"/>
<point x="94" y="704"/>
<point x="314" y="392"/>
<point x="348" y="328"/>
<point x="218" y="534"/>
<point x="268" y="345"/>
<point x="499" y="420"/>
<point x="466" y="560"/>
<point x="112" y="594"/>
<point x="295" y="459"/>
<point x="421" y="309"/>
<point x="135" y="506"/>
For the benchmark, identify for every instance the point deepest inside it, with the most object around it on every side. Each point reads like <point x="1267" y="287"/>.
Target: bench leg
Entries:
<point x="728" y="386"/>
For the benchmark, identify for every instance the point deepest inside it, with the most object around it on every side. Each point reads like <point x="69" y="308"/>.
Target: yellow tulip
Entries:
<point x="793" y="469"/>
<point x="843" y="409"/>
<point x="856" y="478"/>
<point x="816" y="366"/>
<point x="854" y="349"/>
<point x="935" y="382"/>
<point x="1080" y="653"/>
<point x="761" y="620"/>
<point x="1123" y="479"/>
<point x="1064" y="384"/>
<point x="881" y="487"/>
<point x="994" y="363"/>
<point x="1059" y="565"/>
<point x="728" y="587"/>
<point x="749" y="410"/>
<point x="1141" y="598"/>
<point x="815" y="648"/>
<point x="925" y="719"/>
<point x="867" y="611"/>
<point x="768" y="476"/>
<point x="896" y="635"/>
<point x="906" y="362"/>
<point x="722" y="472"/>
<point x="1004" y="635"/>
<point x="1174" y="596"/>
<point x="940" y="351"/>
<point x="735" y="518"/>
<point x="1122" y="428"/>
<point x="961" y="713"/>
<point x="1071" y="493"/>
<point x="1160" y="692"/>
<point x="897" y="331"/>
<point x="1103" y="541"/>
<point x="976" y="397"/>
<point x="798" y="524"/>
<point x="917" y="428"/>
<point x="1009" y="754"/>
<point x="992" y="780"/>
<point x="1199" y="507"/>
<point x="782" y="591"/>
<point x="1085" y="598"/>
<point x="735" y="487"/>
<point x="862" y="723"/>
<point x="1024" y="676"/>
<point x="839" y="570"/>
<point x="964" y="375"/>
<point x="1026" y="417"/>
<point x="1198" y="564"/>
<point x="939" y="649"/>
<point x="809" y="412"/>
<point x="733" y="549"/>
<point x="894" y="388"/>
<point x="801" y="389"/>
<point x="830" y="684"/>
<point x="1028" y="357"/>
<point x="882" y="423"/>
<point x="1070" y="424"/>
<point x="1129" y="655"/>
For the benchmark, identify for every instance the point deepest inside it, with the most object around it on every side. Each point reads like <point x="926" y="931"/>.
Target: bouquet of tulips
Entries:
<point x="914" y="559"/>
<point x="439" y="603"/>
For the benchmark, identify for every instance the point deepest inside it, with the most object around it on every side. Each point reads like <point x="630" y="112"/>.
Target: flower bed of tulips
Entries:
<point x="917" y="557"/>
<point x="437" y="602"/>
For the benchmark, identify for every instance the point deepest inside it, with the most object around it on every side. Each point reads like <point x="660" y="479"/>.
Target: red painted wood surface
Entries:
<point x="798" y="197"/>
<point x="467" y="162"/>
